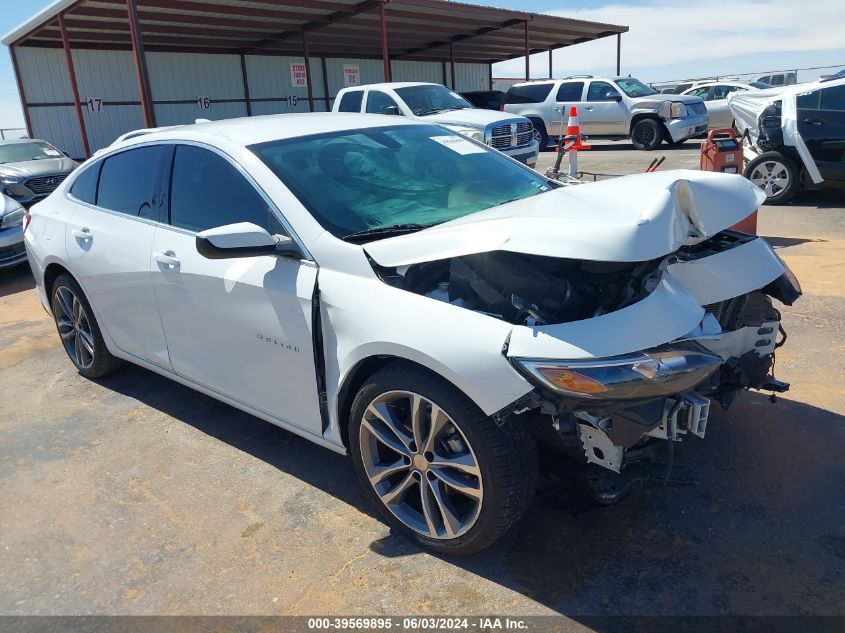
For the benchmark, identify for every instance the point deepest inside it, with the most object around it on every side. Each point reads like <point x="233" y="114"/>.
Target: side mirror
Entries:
<point x="394" y="110"/>
<point x="613" y="96"/>
<point x="243" y="239"/>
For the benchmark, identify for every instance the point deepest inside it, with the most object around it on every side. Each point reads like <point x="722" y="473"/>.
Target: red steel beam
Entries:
<point x="74" y="87"/>
<point x="245" y="77"/>
<point x="21" y="91"/>
<point x="527" y="54"/>
<point x="384" y="52"/>
<point x="306" y="53"/>
<point x="140" y="63"/>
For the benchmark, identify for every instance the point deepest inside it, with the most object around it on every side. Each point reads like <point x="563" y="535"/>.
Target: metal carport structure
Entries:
<point x="394" y="32"/>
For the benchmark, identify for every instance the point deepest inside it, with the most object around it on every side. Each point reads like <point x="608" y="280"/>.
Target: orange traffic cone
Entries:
<point x="573" y="130"/>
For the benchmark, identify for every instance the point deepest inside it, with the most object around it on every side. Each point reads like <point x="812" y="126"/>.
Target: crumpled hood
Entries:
<point x="628" y="219"/>
<point x="42" y="167"/>
<point x="660" y="98"/>
<point x="471" y="117"/>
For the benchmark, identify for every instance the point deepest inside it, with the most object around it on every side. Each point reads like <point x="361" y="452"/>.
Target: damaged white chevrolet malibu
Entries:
<point x="412" y="297"/>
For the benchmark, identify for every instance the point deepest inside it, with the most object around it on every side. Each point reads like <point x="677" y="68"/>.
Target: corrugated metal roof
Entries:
<point x="416" y="29"/>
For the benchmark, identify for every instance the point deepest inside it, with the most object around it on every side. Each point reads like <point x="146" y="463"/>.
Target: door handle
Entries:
<point x="814" y="121"/>
<point x="84" y="235"/>
<point x="590" y="108"/>
<point x="164" y="258"/>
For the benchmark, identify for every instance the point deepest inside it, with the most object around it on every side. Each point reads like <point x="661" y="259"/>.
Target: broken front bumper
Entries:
<point x="687" y="127"/>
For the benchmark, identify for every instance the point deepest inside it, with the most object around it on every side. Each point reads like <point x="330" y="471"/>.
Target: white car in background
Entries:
<point x="394" y="290"/>
<point x="715" y="95"/>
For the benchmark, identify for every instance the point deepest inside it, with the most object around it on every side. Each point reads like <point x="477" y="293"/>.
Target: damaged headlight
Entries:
<point x="649" y="374"/>
<point x="678" y="110"/>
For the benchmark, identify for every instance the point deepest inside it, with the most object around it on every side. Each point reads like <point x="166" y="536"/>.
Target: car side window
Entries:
<point x="765" y="80"/>
<point x="702" y="92"/>
<point x="128" y="181"/>
<point x="571" y="91"/>
<point x="351" y="101"/>
<point x="207" y="191"/>
<point x="84" y="188"/>
<point x="722" y="92"/>
<point x="809" y="101"/>
<point x="599" y="91"/>
<point x="833" y="98"/>
<point x="378" y="102"/>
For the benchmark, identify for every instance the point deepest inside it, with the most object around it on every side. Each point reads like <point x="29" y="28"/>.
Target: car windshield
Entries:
<point x="34" y="150"/>
<point x="634" y="87"/>
<point x="431" y="98"/>
<point x="398" y="177"/>
<point x="760" y="85"/>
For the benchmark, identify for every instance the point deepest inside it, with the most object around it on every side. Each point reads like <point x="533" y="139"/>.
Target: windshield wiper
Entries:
<point x="384" y="231"/>
<point x="436" y="110"/>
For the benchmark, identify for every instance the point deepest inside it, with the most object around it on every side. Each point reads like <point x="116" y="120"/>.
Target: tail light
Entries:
<point x="502" y="108"/>
<point x="27" y="220"/>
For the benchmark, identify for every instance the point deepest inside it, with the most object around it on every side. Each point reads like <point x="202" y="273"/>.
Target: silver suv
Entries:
<point x="608" y="106"/>
<point x="30" y="169"/>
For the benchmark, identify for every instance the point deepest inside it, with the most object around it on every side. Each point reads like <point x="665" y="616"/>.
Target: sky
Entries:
<point x="668" y="39"/>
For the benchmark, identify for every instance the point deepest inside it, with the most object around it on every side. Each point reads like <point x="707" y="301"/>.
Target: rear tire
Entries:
<point x="78" y="329"/>
<point x="468" y="482"/>
<point x="776" y="175"/>
<point x="646" y="134"/>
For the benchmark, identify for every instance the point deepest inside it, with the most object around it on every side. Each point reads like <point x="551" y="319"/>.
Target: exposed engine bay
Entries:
<point x="736" y="338"/>
<point x="529" y="289"/>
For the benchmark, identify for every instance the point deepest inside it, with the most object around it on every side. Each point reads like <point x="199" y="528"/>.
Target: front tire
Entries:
<point x="79" y="331"/>
<point x="776" y="175"/>
<point x="646" y="134"/>
<point x="436" y="468"/>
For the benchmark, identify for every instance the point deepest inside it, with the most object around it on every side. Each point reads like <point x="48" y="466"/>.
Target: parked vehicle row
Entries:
<point x="397" y="291"/>
<point x="608" y="106"/>
<point x="715" y="96"/>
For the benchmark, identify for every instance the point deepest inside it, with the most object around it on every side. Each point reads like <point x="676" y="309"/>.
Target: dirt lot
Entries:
<point x="134" y="495"/>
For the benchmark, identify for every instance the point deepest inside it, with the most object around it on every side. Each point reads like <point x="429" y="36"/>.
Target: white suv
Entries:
<point x="397" y="291"/>
<point x="608" y="106"/>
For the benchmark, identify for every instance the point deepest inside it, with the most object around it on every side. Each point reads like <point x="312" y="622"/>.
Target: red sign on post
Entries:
<point x="298" y="76"/>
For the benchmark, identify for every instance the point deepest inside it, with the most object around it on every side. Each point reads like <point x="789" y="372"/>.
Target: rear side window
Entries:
<point x="351" y="101"/>
<point x="207" y="191"/>
<point x="378" y="102"/>
<point x="571" y="91"/>
<point x="833" y="98"/>
<point x="84" y="188"/>
<point x="529" y="93"/>
<point x="128" y="181"/>
<point x="702" y="92"/>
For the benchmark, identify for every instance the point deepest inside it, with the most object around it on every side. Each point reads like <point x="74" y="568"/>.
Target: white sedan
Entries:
<point x="395" y="291"/>
<point x="715" y="95"/>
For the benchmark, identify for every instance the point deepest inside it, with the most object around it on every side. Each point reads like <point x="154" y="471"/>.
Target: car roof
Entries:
<point x="559" y="79"/>
<point x="260" y="129"/>
<point x="15" y="141"/>
<point x="394" y="85"/>
<point x="727" y="82"/>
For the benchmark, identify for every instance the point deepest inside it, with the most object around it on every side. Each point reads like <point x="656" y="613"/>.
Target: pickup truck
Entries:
<point x="433" y="103"/>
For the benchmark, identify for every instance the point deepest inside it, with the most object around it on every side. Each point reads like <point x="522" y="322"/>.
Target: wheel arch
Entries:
<point x="51" y="273"/>
<point x="645" y="115"/>
<point x="355" y="378"/>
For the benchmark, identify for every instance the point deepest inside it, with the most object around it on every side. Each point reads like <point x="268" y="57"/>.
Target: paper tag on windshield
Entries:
<point x="52" y="152"/>
<point x="458" y="144"/>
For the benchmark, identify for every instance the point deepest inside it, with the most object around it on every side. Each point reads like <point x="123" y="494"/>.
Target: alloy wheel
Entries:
<point x="771" y="176"/>
<point x="74" y="327"/>
<point x="421" y="465"/>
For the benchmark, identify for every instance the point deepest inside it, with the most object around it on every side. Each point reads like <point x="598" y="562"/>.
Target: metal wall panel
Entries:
<point x="105" y="126"/>
<point x="371" y="72"/>
<point x="269" y="78"/>
<point x="183" y="76"/>
<point x="185" y="113"/>
<point x="58" y="125"/>
<point x="470" y="77"/>
<point x="107" y="75"/>
<point x="44" y="75"/>
<point x="405" y="70"/>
